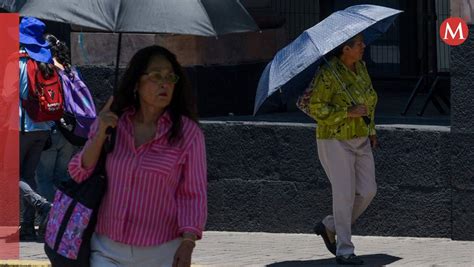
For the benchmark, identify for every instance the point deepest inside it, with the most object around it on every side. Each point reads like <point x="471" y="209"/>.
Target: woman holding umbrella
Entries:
<point x="155" y="207"/>
<point x="343" y="103"/>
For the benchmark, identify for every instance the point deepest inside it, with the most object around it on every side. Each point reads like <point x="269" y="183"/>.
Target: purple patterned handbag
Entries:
<point x="73" y="217"/>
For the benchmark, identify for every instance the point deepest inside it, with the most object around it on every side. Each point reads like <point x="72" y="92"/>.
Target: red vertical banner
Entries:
<point x="9" y="140"/>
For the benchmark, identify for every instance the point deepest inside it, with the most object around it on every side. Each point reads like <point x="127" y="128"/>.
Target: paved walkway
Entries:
<point x="294" y="250"/>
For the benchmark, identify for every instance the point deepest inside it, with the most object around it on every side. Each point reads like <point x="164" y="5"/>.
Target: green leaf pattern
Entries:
<point x="329" y="102"/>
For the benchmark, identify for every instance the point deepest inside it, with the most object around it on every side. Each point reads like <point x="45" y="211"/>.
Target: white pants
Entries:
<point x="108" y="253"/>
<point x="349" y="165"/>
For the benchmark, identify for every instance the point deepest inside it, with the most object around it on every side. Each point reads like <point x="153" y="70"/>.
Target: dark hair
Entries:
<point x="182" y="103"/>
<point x="338" y="51"/>
<point x="46" y="69"/>
<point x="60" y="51"/>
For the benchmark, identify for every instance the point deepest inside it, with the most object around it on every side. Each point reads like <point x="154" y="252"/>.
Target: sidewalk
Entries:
<point x="277" y="250"/>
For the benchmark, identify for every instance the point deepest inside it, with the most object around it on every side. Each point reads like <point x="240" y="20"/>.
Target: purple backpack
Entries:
<point x="79" y="108"/>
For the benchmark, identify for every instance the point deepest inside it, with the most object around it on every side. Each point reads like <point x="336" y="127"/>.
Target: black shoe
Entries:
<point x="27" y="233"/>
<point x="44" y="215"/>
<point x="349" y="260"/>
<point x="320" y="229"/>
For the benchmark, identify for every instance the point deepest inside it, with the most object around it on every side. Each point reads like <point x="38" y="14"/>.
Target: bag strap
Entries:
<point x="23" y="54"/>
<point x="108" y="147"/>
<point x="23" y="114"/>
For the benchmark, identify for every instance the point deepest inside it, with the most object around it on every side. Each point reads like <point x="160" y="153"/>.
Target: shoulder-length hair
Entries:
<point x="182" y="102"/>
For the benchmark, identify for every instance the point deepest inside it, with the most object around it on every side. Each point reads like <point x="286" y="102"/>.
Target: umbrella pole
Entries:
<point x="365" y="118"/>
<point x="117" y="62"/>
<point x="110" y="130"/>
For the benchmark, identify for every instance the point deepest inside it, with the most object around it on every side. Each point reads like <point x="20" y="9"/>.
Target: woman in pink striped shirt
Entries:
<point x="155" y="207"/>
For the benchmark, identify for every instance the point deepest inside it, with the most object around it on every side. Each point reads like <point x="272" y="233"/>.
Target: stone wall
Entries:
<point x="99" y="49"/>
<point x="462" y="138"/>
<point x="267" y="177"/>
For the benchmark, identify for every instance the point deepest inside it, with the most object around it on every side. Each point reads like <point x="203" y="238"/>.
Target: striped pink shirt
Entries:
<point x="155" y="192"/>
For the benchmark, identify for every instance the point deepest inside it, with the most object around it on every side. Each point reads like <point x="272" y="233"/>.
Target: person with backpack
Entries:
<point x="40" y="103"/>
<point x="70" y="131"/>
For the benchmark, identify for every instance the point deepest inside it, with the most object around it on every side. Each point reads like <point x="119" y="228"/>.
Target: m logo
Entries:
<point x="453" y="31"/>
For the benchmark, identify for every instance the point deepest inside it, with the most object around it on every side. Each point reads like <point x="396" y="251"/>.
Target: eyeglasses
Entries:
<point x="156" y="76"/>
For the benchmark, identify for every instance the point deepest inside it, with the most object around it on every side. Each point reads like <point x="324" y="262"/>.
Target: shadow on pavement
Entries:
<point x="369" y="260"/>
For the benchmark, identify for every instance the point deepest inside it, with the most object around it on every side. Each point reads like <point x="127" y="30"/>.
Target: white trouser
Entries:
<point x="108" y="253"/>
<point x="349" y="165"/>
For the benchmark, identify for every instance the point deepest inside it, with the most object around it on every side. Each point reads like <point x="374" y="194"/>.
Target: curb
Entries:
<point x="36" y="263"/>
<point x="24" y="263"/>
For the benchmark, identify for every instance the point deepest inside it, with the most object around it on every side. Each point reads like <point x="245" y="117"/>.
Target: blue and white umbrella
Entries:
<point x="293" y="67"/>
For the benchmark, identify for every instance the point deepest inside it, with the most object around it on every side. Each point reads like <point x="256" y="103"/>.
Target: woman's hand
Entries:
<point x="182" y="257"/>
<point x="373" y="141"/>
<point x="93" y="147"/>
<point x="357" y="111"/>
<point x="107" y="118"/>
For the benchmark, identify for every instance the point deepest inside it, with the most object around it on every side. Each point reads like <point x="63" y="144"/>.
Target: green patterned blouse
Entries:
<point x="329" y="102"/>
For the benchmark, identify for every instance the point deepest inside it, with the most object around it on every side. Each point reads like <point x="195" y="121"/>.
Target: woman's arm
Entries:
<point x="79" y="171"/>
<point x="192" y="190"/>
<point x="83" y="163"/>
<point x="92" y="149"/>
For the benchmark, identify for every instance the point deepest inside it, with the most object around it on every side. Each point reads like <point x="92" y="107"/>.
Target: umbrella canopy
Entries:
<point x="193" y="17"/>
<point x="196" y="17"/>
<point x="293" y="67"/>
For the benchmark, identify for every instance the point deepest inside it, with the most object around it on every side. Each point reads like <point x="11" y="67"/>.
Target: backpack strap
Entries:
<point x="23" y="54"/>
<point x="22" y="126"/>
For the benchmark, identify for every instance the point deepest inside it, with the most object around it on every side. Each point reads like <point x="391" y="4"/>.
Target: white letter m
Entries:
<point x="453" y="35"/>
